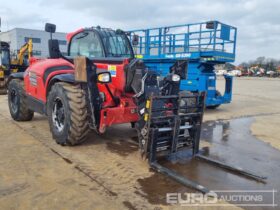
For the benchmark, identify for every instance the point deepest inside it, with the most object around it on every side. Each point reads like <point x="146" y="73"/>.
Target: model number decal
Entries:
<point x="180" y="55"/>
<point x="113" y="70"/>
<point x="33" y="79"/>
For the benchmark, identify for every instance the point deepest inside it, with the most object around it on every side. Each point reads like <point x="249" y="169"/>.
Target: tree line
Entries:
<point x="269" y="64"/>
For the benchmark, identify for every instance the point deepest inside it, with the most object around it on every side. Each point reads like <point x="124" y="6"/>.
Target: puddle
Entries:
<point x="231" y="142"/>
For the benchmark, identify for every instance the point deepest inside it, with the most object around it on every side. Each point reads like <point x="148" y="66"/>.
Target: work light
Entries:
<point x="175" y="78"/>
<point x="104" y="77"/>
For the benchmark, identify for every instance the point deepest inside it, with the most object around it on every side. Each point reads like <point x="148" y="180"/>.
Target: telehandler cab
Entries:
<point x="101" y="83"/>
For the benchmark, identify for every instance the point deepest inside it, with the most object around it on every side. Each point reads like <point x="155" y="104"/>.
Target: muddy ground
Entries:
<point x="107" y="173"/>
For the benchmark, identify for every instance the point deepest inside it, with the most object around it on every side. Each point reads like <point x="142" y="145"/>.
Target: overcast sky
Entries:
<point x="258" y="21"/>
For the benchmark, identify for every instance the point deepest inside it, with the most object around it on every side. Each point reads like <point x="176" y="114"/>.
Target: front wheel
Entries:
<point x="67" y="113"/>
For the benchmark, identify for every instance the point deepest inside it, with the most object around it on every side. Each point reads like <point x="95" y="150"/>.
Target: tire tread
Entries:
<point x="76" y="99"/>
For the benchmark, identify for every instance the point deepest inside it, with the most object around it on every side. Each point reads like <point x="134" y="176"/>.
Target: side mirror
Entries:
<point x="49" y="27"/>
<point x="135" y="40"/>
<point x="54" y="51"/>
<point x="104" y="77"/>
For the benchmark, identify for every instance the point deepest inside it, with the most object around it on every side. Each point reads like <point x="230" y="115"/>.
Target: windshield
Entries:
<point x="5" y="57"/>
<point x="117" y="45"/>
<point x="108" y="44"/>
<point x="86" y="44"/>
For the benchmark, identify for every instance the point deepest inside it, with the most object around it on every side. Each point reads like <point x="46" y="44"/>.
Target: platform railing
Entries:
<point x="211" y="36"/>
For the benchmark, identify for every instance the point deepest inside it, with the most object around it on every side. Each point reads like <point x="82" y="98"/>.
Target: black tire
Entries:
<point x="70" y="128"/>
<point x="18" y="102"/>
<point x="218" y="93"/>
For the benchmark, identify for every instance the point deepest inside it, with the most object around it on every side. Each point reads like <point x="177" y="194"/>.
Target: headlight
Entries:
<point x="104" y="77"/>
<point x="175" y="78"/>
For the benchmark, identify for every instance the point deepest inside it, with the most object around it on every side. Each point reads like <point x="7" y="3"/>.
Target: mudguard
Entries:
<point x="18" y="75"/>
<point x="69" y="78"/>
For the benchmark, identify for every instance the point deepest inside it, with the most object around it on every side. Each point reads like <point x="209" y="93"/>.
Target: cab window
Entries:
<point x="117" y="46"/>
<point x="86" y="44"/>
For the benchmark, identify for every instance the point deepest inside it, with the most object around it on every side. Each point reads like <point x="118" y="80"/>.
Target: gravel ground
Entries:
<point x="106" y="171"/>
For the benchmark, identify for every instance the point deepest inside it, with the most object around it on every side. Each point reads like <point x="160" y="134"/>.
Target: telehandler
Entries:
<point x="100" y="83"/>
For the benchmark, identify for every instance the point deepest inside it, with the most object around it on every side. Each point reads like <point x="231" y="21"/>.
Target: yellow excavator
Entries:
<point x="22" y="60"/>
<point x="8" y="65"/>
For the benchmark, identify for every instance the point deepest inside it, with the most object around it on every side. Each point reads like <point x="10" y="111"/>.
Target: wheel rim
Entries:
<point x="58" y="116"/>
<point x="14" y="100"/>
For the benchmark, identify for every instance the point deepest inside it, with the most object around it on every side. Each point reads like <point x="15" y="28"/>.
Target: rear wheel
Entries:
<point x="18" y="102"/>
<point x="67" y="113"/>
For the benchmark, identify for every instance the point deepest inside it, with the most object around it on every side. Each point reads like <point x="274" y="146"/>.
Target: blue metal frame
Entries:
<point x="203" y="44"/>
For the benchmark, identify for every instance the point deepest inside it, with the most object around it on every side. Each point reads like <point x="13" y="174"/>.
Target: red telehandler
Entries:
<point x="101" y="83"/>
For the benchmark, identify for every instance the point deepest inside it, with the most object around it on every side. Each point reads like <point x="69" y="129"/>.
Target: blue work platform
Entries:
<point x="203" y="44"/>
